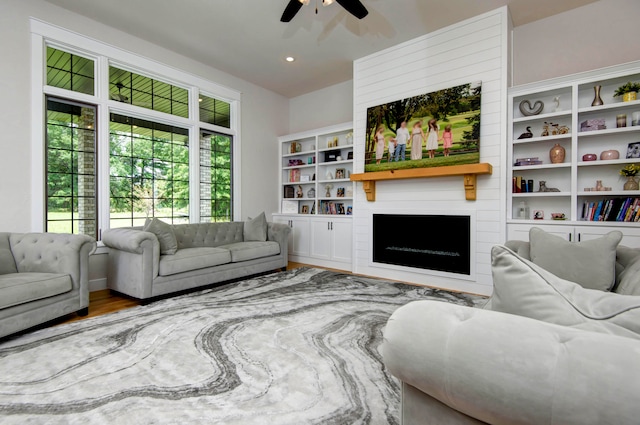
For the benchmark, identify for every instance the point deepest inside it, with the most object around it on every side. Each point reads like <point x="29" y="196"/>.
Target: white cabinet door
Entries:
<point x="299" y="237"/>
<point x="630" y="236"/>
<point x="321" y="239"/>
<point x="520" y="232"/>
<point x="342" y="244"/>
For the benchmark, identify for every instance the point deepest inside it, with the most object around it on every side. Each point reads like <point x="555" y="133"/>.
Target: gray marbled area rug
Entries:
<point x="298" y="347"/>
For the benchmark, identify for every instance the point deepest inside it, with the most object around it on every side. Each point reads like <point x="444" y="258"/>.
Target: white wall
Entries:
<point x="594" y="36"/>
<point x="264" y="113"/>
<point x="474" y="50"/>
<point x="321" y="108"/>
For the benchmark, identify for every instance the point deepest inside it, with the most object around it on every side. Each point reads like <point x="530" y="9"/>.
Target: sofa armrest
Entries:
<point x="507" y="369"/>
<point x="279" y="232"/>
<point x="127" y="239"/>
<point x="55" y="253"/>
<point x="134" y="261"/>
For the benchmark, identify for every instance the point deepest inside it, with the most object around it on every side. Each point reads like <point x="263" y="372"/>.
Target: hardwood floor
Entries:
<point x="104" y="301"/>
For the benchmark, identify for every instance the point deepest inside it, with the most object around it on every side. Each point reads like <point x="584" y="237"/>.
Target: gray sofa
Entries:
<point x="43" y="276"/>
<point x="545" y="350"/>
<point x="205" y="253"/>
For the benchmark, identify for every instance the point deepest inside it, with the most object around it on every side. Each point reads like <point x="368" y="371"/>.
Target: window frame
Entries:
<point x="104" y="55"/>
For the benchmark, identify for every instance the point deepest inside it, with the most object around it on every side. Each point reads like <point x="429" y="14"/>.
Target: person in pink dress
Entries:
<point x="447" y="139"/>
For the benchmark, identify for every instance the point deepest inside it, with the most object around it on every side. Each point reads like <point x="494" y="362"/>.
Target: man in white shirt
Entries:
<point x="402" y="136"/>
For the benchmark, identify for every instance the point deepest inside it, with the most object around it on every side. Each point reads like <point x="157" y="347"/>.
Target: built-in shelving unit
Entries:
<point x="568" y="102"/>
<point x="316" y="195"/>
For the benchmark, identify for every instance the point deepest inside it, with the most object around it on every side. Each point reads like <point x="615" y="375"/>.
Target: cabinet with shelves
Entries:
<point x="568" y="102"/>
<point x="316" y="195"/>
<point x="314" y="171"/>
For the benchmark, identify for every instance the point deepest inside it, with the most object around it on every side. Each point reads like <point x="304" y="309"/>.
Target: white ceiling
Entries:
<point x="245" y="38"/>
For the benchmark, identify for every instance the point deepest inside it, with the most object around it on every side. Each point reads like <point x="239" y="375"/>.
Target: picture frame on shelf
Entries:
<point x="340" y="192"/>
<point x="633" y="150"/>
<point x="349" y="210"/>
<point x="304" y="209"/>
<point x="340" y="208"/>
<point x="305" y="178"/>
<point x="340" y="173"/>
<point x="289" y="192"/>
<point x="538" y="215"/>
<point x="289" y="207"/>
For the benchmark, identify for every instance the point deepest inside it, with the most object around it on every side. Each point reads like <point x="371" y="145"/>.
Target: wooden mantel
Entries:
<point x="469" y="171"/>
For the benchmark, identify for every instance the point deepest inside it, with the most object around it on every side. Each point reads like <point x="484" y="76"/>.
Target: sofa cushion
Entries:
<point x="20" y="288"/>
<point x="7" y="263"/>
<point x="165" y="235"/>
<point x="256" y="229"/>
<point x="189" y="259"/>
<point x="196" y="235"/>
<point x="244" y="251"/>
<point x="592" y="263"/>
<point x="523" y="288"/>
<point x="629" y="279"/>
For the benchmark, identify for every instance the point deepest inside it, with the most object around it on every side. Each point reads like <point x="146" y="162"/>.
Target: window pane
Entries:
<point x="215" y="177"/>
<point x="215" y="111"/>
<point x="71" y="168"/>
<point x="146" y="92"/>
<point x="69" y="71"/>
<point x="144" y="182"/>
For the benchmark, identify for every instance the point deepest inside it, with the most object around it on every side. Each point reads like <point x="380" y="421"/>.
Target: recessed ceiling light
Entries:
<point x="289" y="58"/>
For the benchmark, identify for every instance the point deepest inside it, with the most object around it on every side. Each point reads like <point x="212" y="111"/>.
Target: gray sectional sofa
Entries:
<point x="153" y="262"/>
<point x="43" y="276"/>
<point x="544" y="350"/>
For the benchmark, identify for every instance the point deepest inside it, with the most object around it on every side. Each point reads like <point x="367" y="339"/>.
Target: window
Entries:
<point x="149" y="168"/>
<point x="215" y="111"/>
<point x="69" y="71"/>
<point x="215" y="177"/>
<point x="71" y="168"/>
<point x="135" y="89"/>
<point x="143" y="159"/>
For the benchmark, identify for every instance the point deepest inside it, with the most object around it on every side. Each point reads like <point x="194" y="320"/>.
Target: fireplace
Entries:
<point x="434" y="242"/>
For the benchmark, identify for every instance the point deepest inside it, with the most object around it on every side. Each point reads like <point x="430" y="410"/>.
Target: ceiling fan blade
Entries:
<point x="290" y="11"/>
<point x="354" y="7"/>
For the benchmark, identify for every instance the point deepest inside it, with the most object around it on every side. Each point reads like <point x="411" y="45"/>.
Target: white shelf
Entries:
<point x="553" y="138"/>
<point x="541" y="194"/>
<point x="297" y="167"/>
<point x="344" y="161"/>
<point x="609" y="131"/>
<point x="336" y="148"/>
<point x="616" y="193"/>
<point x="542" y="116"/>
<point x="336" y="199"/>
<point x="609" y="106"/>
<point x="601" y="162"/>
<point x="334" y="181"/>
<point x="288" y="155"/>
<point x="541" y="166"/>
<point x="294" y="183"/>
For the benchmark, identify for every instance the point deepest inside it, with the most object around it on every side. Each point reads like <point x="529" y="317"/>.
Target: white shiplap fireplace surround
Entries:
<point x="474" y="50"/>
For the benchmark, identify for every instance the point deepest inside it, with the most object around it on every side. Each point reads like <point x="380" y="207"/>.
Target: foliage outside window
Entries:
<point x="149" y="172"/>
<point x="71" y="168"/>
<point x="146" y="92"/>
<point x="69" y="71"/>
<point x="215" y="111"/>
<point x="215" y="177"/>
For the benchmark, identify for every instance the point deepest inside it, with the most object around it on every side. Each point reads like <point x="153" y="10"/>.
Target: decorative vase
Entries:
<point x="610" y="154"/>
<point x="631" y="183"/>
<point x="596" y="99"/>
<point x="556" y="154"/>
<point x="630" y="96"/>
<point x="589" y="157"/>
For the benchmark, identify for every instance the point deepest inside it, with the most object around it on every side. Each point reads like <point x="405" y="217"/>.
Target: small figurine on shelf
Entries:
<point x="544" y="188"/>
<point x="299" y="192"/>
<point x="328" y="188"/>
<point x="556" y="100"/>
<point x="527" y="134"/>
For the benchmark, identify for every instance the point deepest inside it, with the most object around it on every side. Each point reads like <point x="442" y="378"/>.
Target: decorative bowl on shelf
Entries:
<point x="610" y="154"/>
<point x="589" y="157"/>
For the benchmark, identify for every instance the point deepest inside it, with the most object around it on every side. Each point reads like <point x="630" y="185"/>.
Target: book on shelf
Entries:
<point x="294" y="176"/>
<point x="613" y="209"/>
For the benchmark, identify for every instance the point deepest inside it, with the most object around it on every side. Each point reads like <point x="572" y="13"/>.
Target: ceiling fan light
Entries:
<point x="327" y="2"/>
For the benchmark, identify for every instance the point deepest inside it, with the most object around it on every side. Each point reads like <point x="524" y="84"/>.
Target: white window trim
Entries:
<point x="103" y="54"/>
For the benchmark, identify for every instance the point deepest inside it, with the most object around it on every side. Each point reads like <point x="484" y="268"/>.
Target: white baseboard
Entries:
<point x="97" y="284"/>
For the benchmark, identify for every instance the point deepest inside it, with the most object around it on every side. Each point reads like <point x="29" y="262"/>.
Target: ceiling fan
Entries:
<point x="352" y="6"/>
